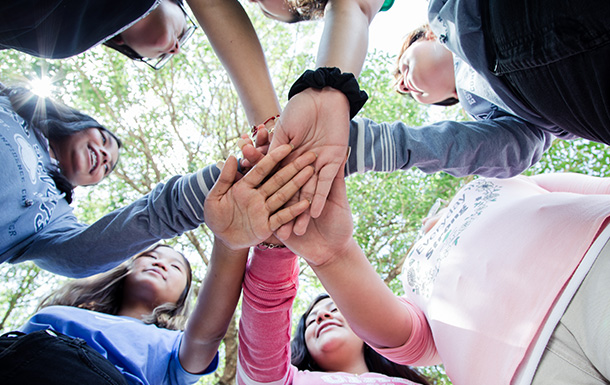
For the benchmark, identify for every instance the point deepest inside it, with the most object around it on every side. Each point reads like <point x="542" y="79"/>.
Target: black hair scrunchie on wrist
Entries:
<point x="332" y="77"/>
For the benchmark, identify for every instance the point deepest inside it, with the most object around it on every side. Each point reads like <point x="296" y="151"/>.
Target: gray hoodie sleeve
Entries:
<point x="73" y="249"/>
<point x="502" y="147"/>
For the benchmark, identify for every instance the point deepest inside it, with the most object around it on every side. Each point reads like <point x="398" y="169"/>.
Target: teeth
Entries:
<point x="93" y="160"/>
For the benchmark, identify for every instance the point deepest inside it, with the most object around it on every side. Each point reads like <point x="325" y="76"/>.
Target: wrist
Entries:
<point x="267" y="246"/>
<point x="332" y="77"/>
<point x="337" y="256"/>
<point x="269" y="124"/>
<point x="227" y="247"/>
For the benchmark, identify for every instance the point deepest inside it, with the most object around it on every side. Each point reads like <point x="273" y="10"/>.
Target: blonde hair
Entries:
<point x="104" y="293"/>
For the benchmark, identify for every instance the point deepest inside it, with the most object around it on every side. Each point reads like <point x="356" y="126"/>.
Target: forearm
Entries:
<point x="344" y="40"/>
<point x="374" y="313"/>
<point x="215" y="306"/>
<point x="572" y="182"/>
<point x="236" y="44"/>
<point x="73" y="249"/>
<point x="270" y="286"/>
<point x="501" y="148"/>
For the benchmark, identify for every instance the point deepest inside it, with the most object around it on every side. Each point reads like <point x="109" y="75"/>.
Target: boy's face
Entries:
<point x="426" y="72"/>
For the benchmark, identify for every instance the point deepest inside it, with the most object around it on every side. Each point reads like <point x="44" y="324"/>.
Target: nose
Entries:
<point x="160" y="264"/>
<point x="322" y="315"/>
<point x="105" y="156"/>
<point x="176" y="48"/>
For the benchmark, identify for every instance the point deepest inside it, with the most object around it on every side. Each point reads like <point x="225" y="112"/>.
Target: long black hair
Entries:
<point x="51" y="120"/>
<point x="375" y="362"/>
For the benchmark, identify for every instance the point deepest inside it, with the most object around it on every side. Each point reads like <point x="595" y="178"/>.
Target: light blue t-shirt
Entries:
<point x="143" y="353"/>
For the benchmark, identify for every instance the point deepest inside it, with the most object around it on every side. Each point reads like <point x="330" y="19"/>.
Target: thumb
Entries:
<point x="226" y="178"/>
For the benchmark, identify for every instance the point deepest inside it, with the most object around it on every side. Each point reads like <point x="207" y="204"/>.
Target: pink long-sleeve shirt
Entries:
<point x="488" y="274"/>
<point x="269" y="288"/>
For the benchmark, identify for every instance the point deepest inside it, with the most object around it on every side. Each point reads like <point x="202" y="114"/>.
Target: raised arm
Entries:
<point x="343" y="45"/>
<point x="572" y="182"/>
<point x="345" y="38"/>
<point x="270" y="286"/>
<point x="501" y="148"/>
<point x="67" y="247"/>
<point x="241" y="214"/>
<point x="373" y="311"/>
<point x="236" y="44"/>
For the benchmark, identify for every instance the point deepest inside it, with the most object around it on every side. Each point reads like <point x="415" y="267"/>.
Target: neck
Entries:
<point x="136" y="310"/>
<point x="356" y="368"/>
<point x="351" y="364"/>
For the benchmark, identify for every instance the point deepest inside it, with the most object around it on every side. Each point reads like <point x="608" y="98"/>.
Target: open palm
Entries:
<point x="244" y="213"/>
<point x="316" y="120"/>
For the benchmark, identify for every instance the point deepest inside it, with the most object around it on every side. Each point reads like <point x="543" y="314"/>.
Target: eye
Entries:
<point x="177" y="267"/>
<point x="104" y="139"/>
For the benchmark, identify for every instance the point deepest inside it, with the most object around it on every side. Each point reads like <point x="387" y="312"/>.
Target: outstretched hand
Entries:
<point x="244" y="213"/>
<point x="315" y="120"/>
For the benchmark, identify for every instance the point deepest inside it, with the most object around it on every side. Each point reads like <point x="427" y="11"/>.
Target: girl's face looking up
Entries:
<point x="426" y="72"/>
<point x="158" y="33"/>
<point x="328" y="337"/>
<point x="87" y="157"/>
<point x="157" y="277"/>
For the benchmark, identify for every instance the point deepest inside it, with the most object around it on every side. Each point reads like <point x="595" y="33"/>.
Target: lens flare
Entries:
<point x="42" y="87"/>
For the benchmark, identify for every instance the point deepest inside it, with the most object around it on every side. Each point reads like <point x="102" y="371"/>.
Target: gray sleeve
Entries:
<point x="73" y="249"/>
<point x="501" y="147"/>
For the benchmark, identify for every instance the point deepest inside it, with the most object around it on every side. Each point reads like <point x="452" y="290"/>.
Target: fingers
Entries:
<point x="286" y="191"/>
<point x="301" y="223"/>
<point x="326" y="176"/>
<point x="284" y="175"/>
<point x="262" y="137"/>
<point x="226" y="178"/>
<point x="287" y="214"/>
<point x="266" y="165"/>
<point x="284" y="231"/>
<point x="251" y="154"/>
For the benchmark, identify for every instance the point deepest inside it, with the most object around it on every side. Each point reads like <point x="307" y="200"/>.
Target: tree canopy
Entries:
<point x="187" y="115"/>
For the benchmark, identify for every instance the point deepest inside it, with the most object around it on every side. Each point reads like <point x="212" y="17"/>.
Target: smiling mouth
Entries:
<point x="94" y="159"/>
<point x="324" y="327"/>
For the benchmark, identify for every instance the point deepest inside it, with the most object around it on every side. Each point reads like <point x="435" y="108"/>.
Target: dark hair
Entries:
<point x="304" y="10"/>
<point x="422" y="32"/>
<point x="54" y="121"/>
<point x="104" y="293"/>
<point x="124" y="48"/>
<point x="375" y="362"/>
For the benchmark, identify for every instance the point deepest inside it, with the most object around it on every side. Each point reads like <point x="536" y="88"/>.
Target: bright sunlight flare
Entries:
<point x="42" y="86"/>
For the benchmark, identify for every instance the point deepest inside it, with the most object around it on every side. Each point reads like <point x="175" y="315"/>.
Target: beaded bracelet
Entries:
<point x="255" y="128"/>
<point x="266" y="246"/>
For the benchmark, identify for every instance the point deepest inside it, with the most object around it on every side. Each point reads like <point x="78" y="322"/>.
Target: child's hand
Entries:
<point x="244" y="213"/>
<point x="253" y="152"/>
